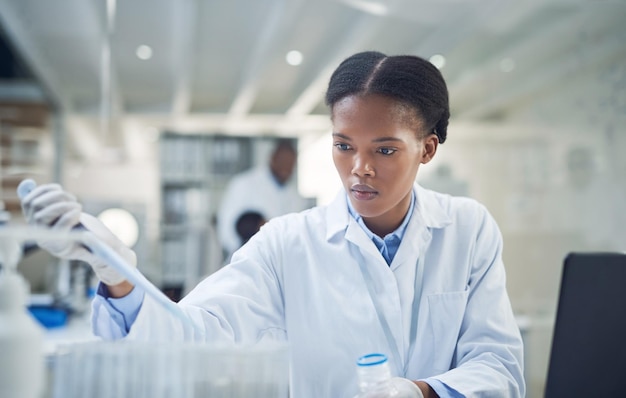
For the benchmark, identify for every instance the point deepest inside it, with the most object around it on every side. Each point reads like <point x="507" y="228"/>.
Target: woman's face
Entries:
<point x="378" y="146"/>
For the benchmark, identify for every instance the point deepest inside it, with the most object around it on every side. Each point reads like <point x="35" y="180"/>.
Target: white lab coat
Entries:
<point x="255" y="189"/>
<point x="299" y="279"/>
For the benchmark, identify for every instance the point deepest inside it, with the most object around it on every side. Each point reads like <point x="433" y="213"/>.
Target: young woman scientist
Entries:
<point x="387" y="267"/>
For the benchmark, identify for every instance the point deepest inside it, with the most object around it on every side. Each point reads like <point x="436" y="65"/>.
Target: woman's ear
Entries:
<point x="431" y="142"/>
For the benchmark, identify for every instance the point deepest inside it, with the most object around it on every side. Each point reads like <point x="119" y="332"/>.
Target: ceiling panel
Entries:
<point x="221" y="64"/>
<point x="226" y="39"/>
<point x="316" y="37"/>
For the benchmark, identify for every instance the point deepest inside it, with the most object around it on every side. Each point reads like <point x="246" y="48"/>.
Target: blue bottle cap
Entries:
<point x="371" y="359"/>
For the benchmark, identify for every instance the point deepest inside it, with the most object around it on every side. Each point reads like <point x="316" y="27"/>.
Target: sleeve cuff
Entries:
<point x="443" y="390"/>
<point x="123" y="310"/>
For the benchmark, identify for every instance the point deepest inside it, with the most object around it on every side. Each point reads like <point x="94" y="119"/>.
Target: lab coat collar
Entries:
<point x="428" y="207"/>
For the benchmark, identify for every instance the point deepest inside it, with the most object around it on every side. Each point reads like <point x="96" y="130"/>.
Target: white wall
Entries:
<point x="317" y="177"/>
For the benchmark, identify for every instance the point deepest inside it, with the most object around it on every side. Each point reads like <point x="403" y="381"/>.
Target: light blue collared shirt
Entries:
<point x="387" y="246"/>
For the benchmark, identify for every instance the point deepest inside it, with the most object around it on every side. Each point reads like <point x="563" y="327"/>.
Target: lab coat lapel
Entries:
<point x="383" y="291"/>
<point x="382" y="288"/>
<point x="413" y="254"/>
<point x="356" y="235"/>
<point x="339" y="221"/>
<point x="427" y="215"/>
<point x="414" y="242"/>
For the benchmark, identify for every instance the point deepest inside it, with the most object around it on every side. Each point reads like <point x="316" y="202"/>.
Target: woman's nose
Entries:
<point x="362" y="166"/>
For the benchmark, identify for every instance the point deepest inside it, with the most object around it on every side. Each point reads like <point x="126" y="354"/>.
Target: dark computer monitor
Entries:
<point x="588" y="353"/>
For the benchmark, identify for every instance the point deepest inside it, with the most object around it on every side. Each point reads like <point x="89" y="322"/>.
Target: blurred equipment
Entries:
<point x="126" y="369"/>
<point x="21" y="338"/>
<point x="588" y="340"/>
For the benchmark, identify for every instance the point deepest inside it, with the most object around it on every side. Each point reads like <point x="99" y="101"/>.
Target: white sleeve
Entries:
<point x="240" y="303"/>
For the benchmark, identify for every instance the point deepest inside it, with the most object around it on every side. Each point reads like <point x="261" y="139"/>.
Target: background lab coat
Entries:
<point x="255" y="189"/>
<point x="299" y="279"/>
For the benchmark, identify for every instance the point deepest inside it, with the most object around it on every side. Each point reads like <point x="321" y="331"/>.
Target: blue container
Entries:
<point x="49" y="317"/>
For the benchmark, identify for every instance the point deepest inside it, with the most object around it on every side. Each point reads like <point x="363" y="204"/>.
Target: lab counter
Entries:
<point x="76" y="330"/>
<point x="81" y="365"/>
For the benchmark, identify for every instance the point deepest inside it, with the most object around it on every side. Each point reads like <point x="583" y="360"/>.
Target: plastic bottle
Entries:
<point x="22" y="366"/>
<point x="375" y="380"/>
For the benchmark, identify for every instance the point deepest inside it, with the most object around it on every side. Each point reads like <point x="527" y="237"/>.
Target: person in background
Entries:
<point x="387" y="267"/>
<point x="265" y="189"/>
<point x="248" y="224"/>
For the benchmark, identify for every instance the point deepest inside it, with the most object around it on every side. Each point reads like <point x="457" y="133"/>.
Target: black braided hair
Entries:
<point x="409" y="79"/>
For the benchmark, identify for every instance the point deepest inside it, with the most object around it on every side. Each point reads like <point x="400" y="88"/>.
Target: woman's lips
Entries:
<point x="363" y="192"/>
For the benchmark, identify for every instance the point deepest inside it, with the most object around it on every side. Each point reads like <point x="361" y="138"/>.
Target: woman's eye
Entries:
<point x="342" y="146"/>
<point x="387" y="151"/>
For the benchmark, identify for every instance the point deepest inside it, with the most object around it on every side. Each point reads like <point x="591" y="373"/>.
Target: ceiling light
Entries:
<point x="122" y="224"/>
<point x="438" y="60"/>
<point x="507" y="65"/>
<point x="369" y="6"/>
<point x="144" y="52"/>
<point x="294" y="58"/>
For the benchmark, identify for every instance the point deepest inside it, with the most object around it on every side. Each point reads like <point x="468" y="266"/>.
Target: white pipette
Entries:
<point x="115" y="261"/>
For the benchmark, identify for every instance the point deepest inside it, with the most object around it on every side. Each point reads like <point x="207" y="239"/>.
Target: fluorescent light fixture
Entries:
<point x="373" y="7"/>
<point x="144" y="52"/>
<point x="122" y="224"/>
<point x="294" y="58"/>
<point x="438" y="60"/>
